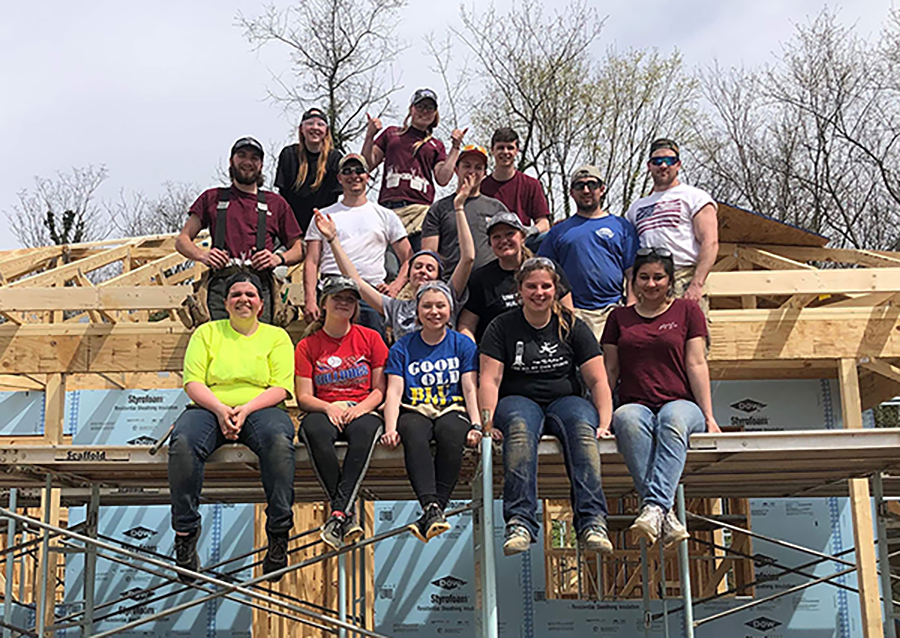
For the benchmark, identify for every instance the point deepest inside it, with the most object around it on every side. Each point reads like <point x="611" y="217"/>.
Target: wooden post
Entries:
<point x="54" y="414"/>
<point x="860" y="502"/>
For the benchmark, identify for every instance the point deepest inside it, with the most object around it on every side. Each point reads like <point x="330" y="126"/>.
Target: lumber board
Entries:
<point x="787" y="282"/>
<point x="93" y="298"/>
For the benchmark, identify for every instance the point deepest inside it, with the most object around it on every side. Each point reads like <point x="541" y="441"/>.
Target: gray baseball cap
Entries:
<point x="339" y="283"/>
<point x="586" y="171"/>
<point x="510" y="219"/>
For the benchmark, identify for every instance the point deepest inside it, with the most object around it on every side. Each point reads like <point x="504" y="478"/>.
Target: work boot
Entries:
<point x="276" y="556"/>
<point x="186" y="554"/>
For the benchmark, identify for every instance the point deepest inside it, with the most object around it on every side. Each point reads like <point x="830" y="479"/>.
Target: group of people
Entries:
<point x="601" y="333"/>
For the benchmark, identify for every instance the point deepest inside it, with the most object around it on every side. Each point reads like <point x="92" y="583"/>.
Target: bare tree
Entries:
<point x="341" y="53"/>
<point x="137" y="214"/>
<point x="60" y="210"/>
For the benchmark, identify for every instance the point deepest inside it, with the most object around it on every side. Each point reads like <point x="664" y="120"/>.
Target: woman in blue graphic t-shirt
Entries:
<point x="432" y="396"/>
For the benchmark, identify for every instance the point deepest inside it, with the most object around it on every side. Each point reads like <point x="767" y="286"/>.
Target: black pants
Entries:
<point x="340" y="483"/>
<point x="215" y="293"/>
<point x="433" y="479"/>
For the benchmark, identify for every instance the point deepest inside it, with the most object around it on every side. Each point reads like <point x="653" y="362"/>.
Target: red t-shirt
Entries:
<point x="240" y="230"/>
<point x="341" y="369"/>
<point x="522" y="195"/>
<point x="408" y="176"/>
<point x="652" y="371"/>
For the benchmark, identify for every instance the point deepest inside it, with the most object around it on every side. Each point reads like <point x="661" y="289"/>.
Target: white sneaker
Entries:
<point x="648" y="524"/>
<point x="673" y="531"/>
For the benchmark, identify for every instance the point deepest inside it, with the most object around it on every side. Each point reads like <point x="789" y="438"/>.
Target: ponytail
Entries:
<point x="428" y="131"/>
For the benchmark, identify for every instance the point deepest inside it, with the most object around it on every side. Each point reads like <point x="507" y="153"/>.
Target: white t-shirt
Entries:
<point x="365" y="233"/>
<point x="666" y="220"/>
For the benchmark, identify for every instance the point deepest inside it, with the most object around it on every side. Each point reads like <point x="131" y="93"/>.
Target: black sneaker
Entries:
<point x="352" y="530"/>
<point x="186" y="554"/>
<point x="276" y="557"/>
<point x="434" y="522"/>
<point x="333" y="530"/>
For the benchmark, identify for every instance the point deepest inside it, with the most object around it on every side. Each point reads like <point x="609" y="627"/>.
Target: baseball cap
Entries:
<point x="314" y="112"/>
<point x="248" y="142"/>
<point x="664" y="142"/>
<point x="339" y="283"/>
<point x="507" y="218"/>
<point x="423" y="94"/>
<point x="473" y="149"/>
<point x="353" y="157"/>
<point x="586" y="171"/>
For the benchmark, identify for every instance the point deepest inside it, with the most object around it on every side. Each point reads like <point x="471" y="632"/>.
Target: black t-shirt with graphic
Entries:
<point x="536" y="364"/>
<point x="492" y="291"/>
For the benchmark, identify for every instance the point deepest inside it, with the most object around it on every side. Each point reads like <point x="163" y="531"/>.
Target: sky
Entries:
<point x="159" y="91"/>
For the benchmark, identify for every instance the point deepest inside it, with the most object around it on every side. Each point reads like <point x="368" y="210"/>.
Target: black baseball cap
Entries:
<point x="314" y="112"/>
<point x="423" y="94"/>
<point x="248" y="142"/>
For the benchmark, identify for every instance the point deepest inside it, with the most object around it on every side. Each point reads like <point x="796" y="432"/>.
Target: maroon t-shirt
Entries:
<point x="408" y="176"/>
<point x="522" y="194"/>
<point x="240" y="231"/>
<point x="652" y="371"/>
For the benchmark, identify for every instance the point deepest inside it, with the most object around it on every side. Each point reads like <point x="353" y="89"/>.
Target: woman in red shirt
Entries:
<point x="339" y="368"/>
<point x="656" y="351"/>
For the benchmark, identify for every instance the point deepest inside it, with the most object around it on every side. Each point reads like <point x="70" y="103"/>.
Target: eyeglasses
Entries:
<point x="425" y="107"/>
<point x="670" y="160"/>
<point x="354" y="170"/>
<point x="665" y="253"/>
<point x="538" y="262"/>
<point x="591" y="185"/>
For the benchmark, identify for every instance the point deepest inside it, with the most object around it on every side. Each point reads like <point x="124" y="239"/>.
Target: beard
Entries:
<point x="246" y="178"/>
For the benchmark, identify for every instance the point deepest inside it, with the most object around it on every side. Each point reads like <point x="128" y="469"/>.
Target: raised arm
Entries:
<point x="443" y="171"/>
<point x="328" y="229"/>
<point x="374" y="155"/>
<point x="698" y="378"/>
<point x="463" y="269"/>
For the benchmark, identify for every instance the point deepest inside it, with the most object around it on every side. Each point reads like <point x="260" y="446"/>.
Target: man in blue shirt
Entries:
<point x="595" y="249"/>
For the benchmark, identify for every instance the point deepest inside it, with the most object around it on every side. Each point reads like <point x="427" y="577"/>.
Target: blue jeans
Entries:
<point x="573" y="420"/>
<point x="655" y="446"/>
<point x="370" y="318"/>
<point x="268" y="432"/>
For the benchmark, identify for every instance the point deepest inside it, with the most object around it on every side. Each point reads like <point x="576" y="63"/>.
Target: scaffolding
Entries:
<point x="107" y="314"/>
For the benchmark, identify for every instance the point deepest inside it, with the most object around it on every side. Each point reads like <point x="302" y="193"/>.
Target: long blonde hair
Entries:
<point x="428" y="131"/>
<point x="565" y="316"/>
<point x="327" y="145"/>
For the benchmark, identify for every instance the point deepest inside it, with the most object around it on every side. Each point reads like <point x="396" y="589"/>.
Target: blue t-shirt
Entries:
<point x="594" y="254"/>
<point x="432" y="375"/>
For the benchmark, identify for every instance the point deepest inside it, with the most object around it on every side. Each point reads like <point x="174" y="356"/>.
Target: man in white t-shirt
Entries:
<point x="680" y="219"/>
<point x="365" y="230"/>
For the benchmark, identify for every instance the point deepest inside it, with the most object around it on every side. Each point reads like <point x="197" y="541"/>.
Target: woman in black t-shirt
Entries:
<point x="307" y="172"/>
<point x="492" y="288"/>
<point x="529" y="385"/>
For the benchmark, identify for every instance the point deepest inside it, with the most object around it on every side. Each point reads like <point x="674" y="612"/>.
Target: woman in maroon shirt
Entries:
<point x="655" y="351"/>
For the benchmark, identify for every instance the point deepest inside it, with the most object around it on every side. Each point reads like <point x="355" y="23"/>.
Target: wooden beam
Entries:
<point x="145" y="273"/>
<point x="62" y="274"/>
<point x="860" y="502"/>
<point x="748" y="301"/>
<point x="94" y="298"/>
<point x="54" y="408"/>
<point x="726" y="263"/>
<point x="848" y="280"/>
<point x="770" y="260"/>
<point x="799" y="301"/>
<point x="870" y="299"/>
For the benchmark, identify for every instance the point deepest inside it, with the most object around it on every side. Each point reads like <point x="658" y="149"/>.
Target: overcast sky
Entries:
<point x="158" y="91"/>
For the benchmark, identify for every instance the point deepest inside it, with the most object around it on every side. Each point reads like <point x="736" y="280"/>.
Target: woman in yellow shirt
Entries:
<point x="237" y="372"/>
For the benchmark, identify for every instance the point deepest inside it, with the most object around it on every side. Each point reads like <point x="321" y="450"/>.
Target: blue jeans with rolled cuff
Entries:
<point x="574" y="421"/>
<point x="269" y="433"/>
<point x="655" y="446"/>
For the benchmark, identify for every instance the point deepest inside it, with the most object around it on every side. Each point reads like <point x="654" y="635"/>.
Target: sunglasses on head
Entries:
<point x="665" y="253"/>
<point x="353" y="170"/>
<point x="667" y="161"/>
<point x="590" y="184"/>
<point x="537" y="262"/>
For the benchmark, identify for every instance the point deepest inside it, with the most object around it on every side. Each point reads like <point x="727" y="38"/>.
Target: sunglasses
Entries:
<point x="353" y="170"/>
<point x="537" y="262"/>
<point x="591" y="185"/>
<point x="425" y="107"/>
<point x="667" y="161"/>
<point x="665" y="253"/>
